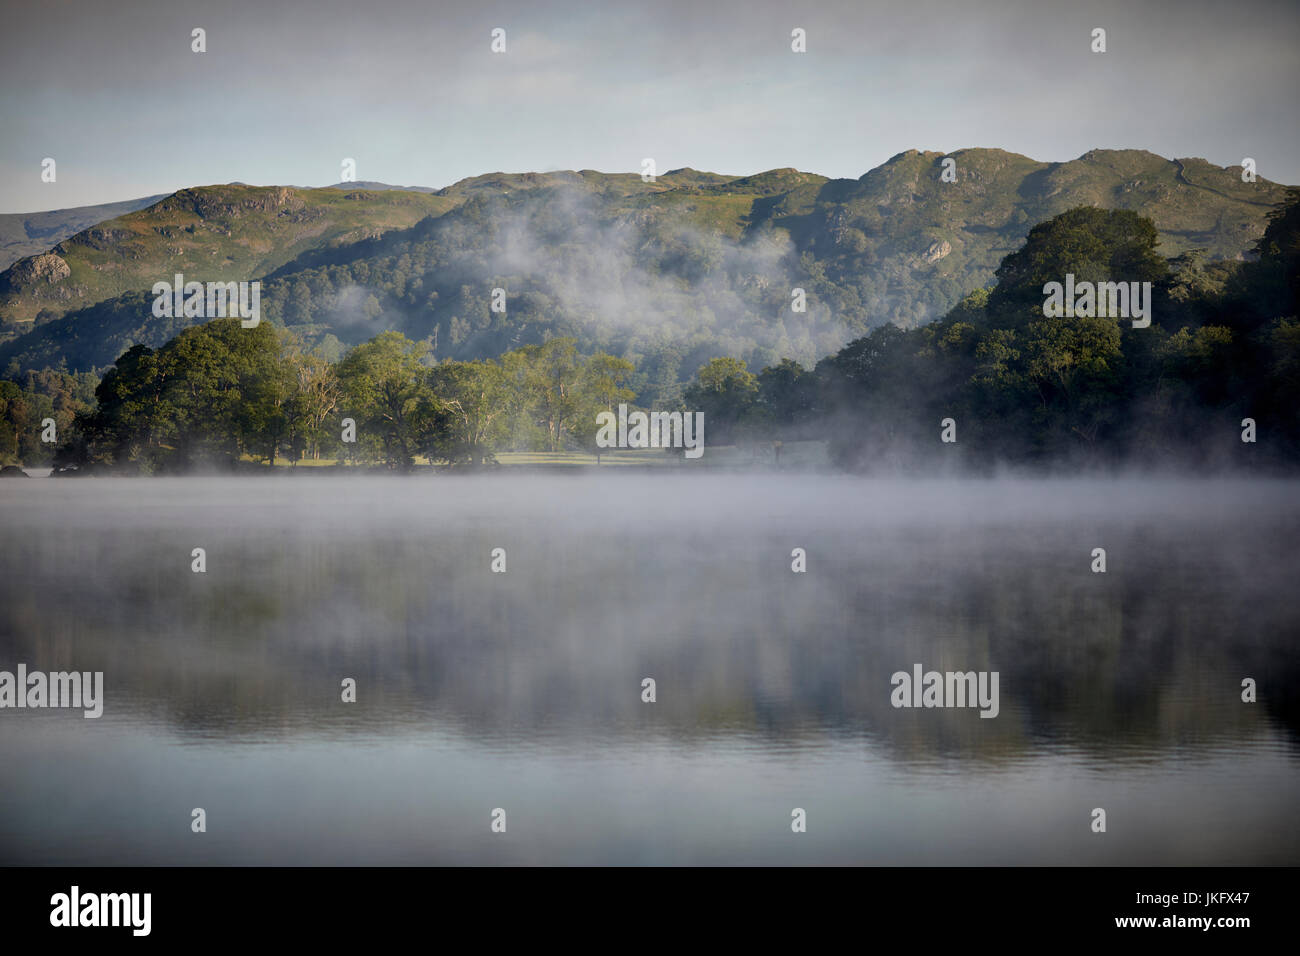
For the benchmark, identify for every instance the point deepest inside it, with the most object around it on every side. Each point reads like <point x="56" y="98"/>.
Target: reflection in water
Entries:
<point x="523" y="690"/>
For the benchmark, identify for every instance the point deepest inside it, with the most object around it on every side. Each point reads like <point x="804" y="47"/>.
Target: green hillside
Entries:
<point x="667" y="272"/>
<point x="911" y="245"/>
<point x="24" y="234"/>
<point x="212" y="233"/>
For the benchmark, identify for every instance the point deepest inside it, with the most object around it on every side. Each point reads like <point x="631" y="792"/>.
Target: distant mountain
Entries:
<point x="689" y="265"/>
<point x="381" y="187"/>
<point x="25" y="234"/>
<point x="216" y="232"/>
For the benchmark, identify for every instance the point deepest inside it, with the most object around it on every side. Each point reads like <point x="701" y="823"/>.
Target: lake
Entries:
<point x="522" y="691"/>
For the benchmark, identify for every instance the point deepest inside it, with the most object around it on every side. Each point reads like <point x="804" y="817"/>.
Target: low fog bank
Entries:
<point x="645" y="499"/>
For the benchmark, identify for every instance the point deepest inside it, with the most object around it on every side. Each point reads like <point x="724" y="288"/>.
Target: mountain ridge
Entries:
<point x="577" y="248"/>
<point x="24" y="234"/>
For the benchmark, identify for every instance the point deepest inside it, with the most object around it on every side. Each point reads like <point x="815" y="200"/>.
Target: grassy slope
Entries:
<point x="886" y="220"/>
<point x="24" y="234"/>
<point x="800" y="454"/>
<point x="210" y="233"/>
<point x="876" y="229"/>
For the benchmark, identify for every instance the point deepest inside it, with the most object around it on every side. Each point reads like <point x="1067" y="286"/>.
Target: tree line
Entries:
<point x="1220" y="361"/>
<point x="1021" y="387"/>
<point x="219" y="393"/>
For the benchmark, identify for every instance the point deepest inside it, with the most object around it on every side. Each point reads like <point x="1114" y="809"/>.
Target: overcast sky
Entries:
<point x="409" y="88"/>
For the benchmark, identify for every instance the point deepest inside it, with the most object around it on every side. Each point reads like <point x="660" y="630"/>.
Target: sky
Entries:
<point x="111" y="90"/>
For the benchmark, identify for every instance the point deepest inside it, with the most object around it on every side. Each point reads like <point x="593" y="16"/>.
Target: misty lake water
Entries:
<point x="522" y="691"/>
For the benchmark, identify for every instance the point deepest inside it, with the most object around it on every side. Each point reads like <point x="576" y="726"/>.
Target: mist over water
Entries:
<point x="523" y="690"/>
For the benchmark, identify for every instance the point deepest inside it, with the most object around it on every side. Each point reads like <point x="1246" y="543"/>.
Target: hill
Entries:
<point x="228" y="232"/>
<point x="25" y="234"/>
<point x="668" y="272"/>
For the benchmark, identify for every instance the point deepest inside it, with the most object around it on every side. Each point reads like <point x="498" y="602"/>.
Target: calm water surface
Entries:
<point x="523" y="690"/>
